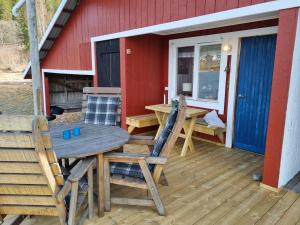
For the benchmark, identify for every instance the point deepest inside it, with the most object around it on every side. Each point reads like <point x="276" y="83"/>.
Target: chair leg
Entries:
<point x="67" y="164"/>
<point x="62" y="221"/>
<point x="62" y="213"/>
<point x="107" y="205"/>
<point x="152" y="188"/>
<point x="163" y="179"/>
<point x="73" y="203"/>
<point x="90" y="192"/>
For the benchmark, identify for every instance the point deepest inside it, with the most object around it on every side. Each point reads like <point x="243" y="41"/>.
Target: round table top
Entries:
<point x="93" y="140"/>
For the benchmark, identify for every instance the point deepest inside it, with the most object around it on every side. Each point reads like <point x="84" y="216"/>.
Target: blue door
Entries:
<point x="253" y="92"/>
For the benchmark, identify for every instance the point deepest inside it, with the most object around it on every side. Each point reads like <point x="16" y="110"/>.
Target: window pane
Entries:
<point x="209" y="73"/>
<point x="185" y="68"/>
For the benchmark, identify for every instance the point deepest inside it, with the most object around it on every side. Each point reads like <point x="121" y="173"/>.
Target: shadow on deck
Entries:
<point x="210" y="186"/>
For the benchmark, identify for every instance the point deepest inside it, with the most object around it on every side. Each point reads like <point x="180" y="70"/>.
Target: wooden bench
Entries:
<point x="213" y="131"/>
<point x="148" y="120"/>
<point x="141" y="121"/>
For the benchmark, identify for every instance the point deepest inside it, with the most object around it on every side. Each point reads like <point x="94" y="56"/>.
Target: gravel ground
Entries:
<point x="16" y="98"/>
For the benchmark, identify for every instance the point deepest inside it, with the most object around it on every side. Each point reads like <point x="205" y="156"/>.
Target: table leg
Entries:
<point x="100" y="173"/>
<point x="186" y="127"/>
<point x="188" y="130"/>
<point x="161" y="119"/>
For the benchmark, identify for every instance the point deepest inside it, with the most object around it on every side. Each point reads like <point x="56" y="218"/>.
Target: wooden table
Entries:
<point x="161" y="112"/>
<point x="94" y="140"/>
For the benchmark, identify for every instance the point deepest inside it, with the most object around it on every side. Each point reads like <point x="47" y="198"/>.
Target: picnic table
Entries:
<point x="95" y="140"/>
<point x="161" y="112"/>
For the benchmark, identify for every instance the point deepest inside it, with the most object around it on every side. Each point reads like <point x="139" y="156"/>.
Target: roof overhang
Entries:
<point x="246" y="14"/>
<point x="56" y="25"/>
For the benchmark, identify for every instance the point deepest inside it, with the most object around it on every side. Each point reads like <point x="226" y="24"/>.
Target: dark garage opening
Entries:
<point x="65" y="91"/>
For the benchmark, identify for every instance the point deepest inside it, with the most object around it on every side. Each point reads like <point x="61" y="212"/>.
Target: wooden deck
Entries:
<point x="294" y="184"/>
<point x="211" y="186"/>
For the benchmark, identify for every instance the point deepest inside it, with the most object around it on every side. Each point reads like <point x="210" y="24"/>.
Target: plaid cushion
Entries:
<point x="102" y="110"/>
<point x="134" y="170"/>
<point x="166" y="131"/>
<point x="127" y="169"/>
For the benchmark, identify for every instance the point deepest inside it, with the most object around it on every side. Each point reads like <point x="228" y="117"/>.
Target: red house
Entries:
<point x="238" y="57"/>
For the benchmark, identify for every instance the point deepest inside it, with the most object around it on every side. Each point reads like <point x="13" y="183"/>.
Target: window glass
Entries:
<point x="185" y="69"/>
<point x="209" y="71"/>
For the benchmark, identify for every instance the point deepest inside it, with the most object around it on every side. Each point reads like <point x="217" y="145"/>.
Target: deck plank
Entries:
<point x="212" y="185"/>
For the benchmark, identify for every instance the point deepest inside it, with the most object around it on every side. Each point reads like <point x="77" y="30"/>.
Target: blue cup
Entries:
<point x="76" y="131"/>
<point x="67" y="134"/>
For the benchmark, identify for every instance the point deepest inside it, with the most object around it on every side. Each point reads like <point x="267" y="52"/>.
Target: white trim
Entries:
<point x="229" y="15"/>
<point x="70" y="72"/>
<point x="197" y="42"/>
<point x="60" y="72"/>
<point x="49" y="28"/>
<point x="233" y="79"/>
<point x="290" y="157"/>
<point x="44" y="93"/>
<point x="239" y="13"/>
<point x="230" y="38"/>
<point x="232" y="91"/>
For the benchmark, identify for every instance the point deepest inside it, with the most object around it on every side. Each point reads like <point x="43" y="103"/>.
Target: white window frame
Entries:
<point x="197" y="42"/>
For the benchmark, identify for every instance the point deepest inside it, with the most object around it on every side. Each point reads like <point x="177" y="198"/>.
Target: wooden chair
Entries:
<point x="100" y="91"/>
<point x="31" y="181"/>
<point x="150" y="176"/>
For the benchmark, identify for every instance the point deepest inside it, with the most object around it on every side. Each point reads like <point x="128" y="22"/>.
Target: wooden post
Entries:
<point x="34" y="56"/>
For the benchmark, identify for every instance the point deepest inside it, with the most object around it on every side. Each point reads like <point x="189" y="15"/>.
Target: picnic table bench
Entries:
<point x="148" y="120"/>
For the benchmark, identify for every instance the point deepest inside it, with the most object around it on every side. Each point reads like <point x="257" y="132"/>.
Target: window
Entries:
<point x="209" y="72"/>
<point x="197" y="72"/>
<point x="185" y="70"/>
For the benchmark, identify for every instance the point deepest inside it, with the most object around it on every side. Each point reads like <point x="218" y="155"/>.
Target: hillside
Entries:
<point x="14" y="36"/>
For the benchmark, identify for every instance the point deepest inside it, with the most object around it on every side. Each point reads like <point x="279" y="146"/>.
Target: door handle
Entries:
<point x="241" y="96"/>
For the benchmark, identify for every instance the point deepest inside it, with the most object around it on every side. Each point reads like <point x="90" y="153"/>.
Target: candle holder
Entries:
<point x="76" y="131"/>
<point x="67" y="134"/>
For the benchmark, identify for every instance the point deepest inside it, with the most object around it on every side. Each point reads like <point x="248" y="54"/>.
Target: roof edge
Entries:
<point x="46" y="34"/>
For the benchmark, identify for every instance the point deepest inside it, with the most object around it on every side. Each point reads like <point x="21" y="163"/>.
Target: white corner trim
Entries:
<point x="232" y="91"/>
<point x="44" y="93"/>
<point x="290" y="155"/>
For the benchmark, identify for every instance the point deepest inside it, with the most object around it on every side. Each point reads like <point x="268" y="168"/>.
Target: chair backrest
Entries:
<point x="176" y="130"/>
<point x="30" y="175"/>
<point x="173" y="135"/>
<point x="104" y="92"/>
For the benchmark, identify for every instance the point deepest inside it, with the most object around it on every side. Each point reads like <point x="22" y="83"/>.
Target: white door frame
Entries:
<point x="232" y="38"/>
<point x="233" y="81"/>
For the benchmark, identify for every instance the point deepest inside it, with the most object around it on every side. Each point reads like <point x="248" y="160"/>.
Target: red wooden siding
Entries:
<point x="141" y="74"/>
<point x="279" y="96"/>
<point x="98" y="17"/>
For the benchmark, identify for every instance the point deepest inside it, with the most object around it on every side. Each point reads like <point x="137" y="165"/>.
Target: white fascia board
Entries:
<point x="239" y="13"/>
<point x="49" y="28"/>
<point x="69" y="72"/>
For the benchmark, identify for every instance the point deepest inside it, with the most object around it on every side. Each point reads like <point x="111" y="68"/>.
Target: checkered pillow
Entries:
<point x="126" y="169"/>
<point x="166" y="131"/>
<point x="102" y="110"/>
